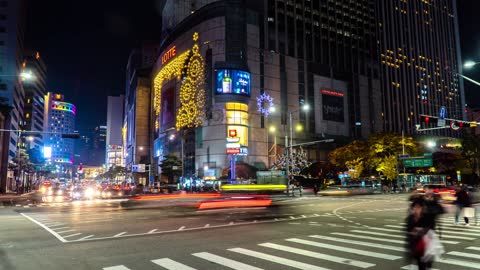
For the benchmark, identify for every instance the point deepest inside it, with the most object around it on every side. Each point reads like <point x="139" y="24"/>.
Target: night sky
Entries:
<point x="85" y="45"/>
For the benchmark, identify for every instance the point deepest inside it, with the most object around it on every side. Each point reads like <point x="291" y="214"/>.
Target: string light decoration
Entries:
<point x="265" y="104"/>
<point x="171" y="70"/>
<point x="192" y="94"/>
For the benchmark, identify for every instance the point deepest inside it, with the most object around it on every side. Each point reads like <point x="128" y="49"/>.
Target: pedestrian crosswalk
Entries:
<point x="339" y="248"/>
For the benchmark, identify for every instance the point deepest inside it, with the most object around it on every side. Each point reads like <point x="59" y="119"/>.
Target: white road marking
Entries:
<point x="398" y="236"/>
<point x="119" y="234"/>
<point x="58" y="236"/>
<point x="86" y="237"/>
<point x="181" y="228"/>
<point x="118" y="267"/>
<point x="66" y="231"/>
<point x="413" y="267"/>
<point x="71" y="235"/>
<point x="318" y="255"/>
<point x="463" y="232"/>
<point x="345" y="249"/>
<point x="152" y="231"/>
<point x="276" y="259"/>
<point x="371" y="238"/>
<point x="464" y="254"/>
<point x="470" y="265"/>
<point x="473" y="248"/>
<point x="444" y="235"/>
<point x="206" y="225"/>
<point x="224" y="261"/>
<point x="171" y="264"/>
<point x="360" y="243"/>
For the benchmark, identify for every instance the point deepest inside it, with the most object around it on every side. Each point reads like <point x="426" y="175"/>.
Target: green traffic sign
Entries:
<point x="418" y="162"/>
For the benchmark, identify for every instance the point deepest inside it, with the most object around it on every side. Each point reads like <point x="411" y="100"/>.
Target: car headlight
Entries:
<point x="76" y="194"/>
<point x="50" y="192"/>
<point x="60" y="192"/>
<point x="89" y="192"/>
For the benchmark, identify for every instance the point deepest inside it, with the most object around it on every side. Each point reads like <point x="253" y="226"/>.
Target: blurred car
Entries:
<point x="111" y="193"/>
<point x="83" y="193"/>
<point x="446" y="194"/>
<point x="55" y="195"/>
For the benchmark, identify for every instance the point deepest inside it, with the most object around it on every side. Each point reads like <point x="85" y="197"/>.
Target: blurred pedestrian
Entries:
<point x="462" y="201"/>
<point x="416" y="230"/>
<point x="315" y="189"/>
<point x="292" y="188"/>
<point x="432" y="209"/>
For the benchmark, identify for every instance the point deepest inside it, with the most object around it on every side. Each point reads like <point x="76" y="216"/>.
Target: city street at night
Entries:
<point x="306" y="233"/>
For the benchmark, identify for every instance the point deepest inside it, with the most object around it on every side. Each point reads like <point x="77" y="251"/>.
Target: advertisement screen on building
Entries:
<point x="332" y="108"/>
<point x="47" y="152"/>
<point x="168" y="109"/>
<point x="231" y="81"/>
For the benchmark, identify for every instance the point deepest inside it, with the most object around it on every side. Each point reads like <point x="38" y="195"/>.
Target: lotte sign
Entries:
<point x="172" y="52"/>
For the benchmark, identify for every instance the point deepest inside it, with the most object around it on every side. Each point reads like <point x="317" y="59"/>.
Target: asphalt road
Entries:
<point x="300" y="233"/>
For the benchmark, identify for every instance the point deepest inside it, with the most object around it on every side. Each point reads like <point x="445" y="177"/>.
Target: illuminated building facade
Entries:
<point x="35" y="91"/>
<point x="136" y="125"/>
<point x="420" y="60"/>
<point x="60" y="117"/>
<point x="217" y="57"/>
<point x="114" y="152"/>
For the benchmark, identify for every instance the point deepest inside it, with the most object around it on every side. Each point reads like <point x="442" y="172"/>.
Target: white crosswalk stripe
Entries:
<point x="225" y="262"/>
<point x="370" y="238"/>
<point x="319" y="255"/>
<point x="378" y="245"/>
<point x="171" y="264"/>
<point x="118" y="267"/>
<point x="345" y="249"/>
<point x="463" y="232"/>
<point x="276" y="259"/>
<point x="360" y="243"/>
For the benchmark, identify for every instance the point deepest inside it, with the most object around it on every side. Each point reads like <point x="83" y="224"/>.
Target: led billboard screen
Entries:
<point x="230" y="81"/>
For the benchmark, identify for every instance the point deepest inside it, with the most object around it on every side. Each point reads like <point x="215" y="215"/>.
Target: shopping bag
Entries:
<point x="433" y="248"/>
<point x="469" y="212"/>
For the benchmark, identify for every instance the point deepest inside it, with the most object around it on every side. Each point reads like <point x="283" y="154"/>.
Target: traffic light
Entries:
<point x="429" y="119"/>
<point x="466" y="124"/>
<point x="70" y="135"/>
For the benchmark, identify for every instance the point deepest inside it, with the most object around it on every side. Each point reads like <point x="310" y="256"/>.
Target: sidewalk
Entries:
<point x="12" y="198"/>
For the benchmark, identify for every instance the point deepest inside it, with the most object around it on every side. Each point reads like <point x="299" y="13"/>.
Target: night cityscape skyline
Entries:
<point x="239" y="134"/>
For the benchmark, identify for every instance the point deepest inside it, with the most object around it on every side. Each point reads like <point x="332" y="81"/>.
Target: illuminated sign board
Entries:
<point x="332" y="106"/>
<point x="172" y="52"/>
<point x="47" y="152"/>
<point x="233" y="151"/>
<point x="232" y="133"/>
<point x="332" y="93"/>
<point x="243" y="151"/>
<point x="231" y="81"/>
<point x="233" y="145"/>
<point x="233" y="140"/>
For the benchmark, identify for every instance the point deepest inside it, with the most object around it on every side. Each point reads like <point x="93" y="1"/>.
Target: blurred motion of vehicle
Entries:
<point x="447" y="194"/>
<point x="347" y="190"/>
<point x="55" y="195"/>
<point x="236" y="202"/>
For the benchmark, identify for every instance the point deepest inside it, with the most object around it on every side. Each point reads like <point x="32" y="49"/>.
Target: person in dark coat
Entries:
<point x="462" y="201"/>
<point x="432" y="209"/>
<point x="417" y="227"/>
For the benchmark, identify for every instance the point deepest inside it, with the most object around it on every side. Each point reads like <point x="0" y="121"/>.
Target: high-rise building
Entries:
<point x="226" y="54"/>
<point x="12" y="95"/>
<point x="35" y="91"/>
<point x="60" y="116"/>
<point x="419" y="52"/>
<point x="136" y="127"/>
<point x="99" y="146"/>
<point x="114" y="131"/>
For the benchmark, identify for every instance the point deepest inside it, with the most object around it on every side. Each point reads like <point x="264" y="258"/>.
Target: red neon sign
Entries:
<point x="232" y="133"/>
<point x="233" y="151"/>
<point x="169" y="54"/>
<point x="331" y="93"/>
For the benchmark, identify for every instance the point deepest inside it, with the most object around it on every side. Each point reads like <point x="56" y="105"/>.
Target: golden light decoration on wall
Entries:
<point x="169" y="71"/>
<point x="192" y="94"/>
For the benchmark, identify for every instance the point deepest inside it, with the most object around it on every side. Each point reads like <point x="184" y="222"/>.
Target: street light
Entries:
<point x="470" y="64"/>
<point x="305" y="108"/>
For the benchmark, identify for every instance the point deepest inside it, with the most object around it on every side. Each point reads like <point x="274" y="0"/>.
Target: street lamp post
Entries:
<point x="289" y="155"/>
